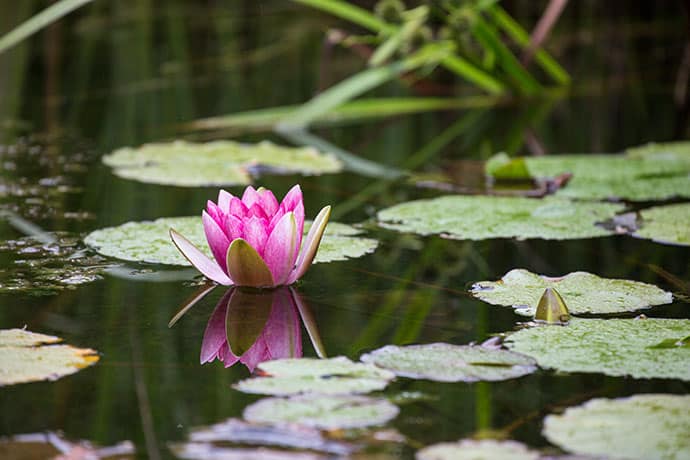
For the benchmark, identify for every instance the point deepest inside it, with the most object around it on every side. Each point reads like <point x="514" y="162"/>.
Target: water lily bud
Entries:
<point x="551" y="308"/>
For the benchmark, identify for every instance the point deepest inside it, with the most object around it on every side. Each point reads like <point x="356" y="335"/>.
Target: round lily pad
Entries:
<point x="470" y="449"/>
<point x="484" y="217"/>
<point x="29" y="357"/>
<point x="666" y="224"/>
<point x="326" y="376"/>
<point x="617" y="347"/>
<point x="149" y="241"/>
<point x="445" y="362"/>
<point x="582" y="292"/>
<point x="645" y="427"/>
<point x="325" y="412"/>
<point x="188" y="164"/>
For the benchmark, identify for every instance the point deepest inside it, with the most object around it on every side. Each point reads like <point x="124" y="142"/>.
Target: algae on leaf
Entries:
<point x="149" y="241"/>
<point x="28" y="357"/>
<point x="471" y="449"/>
<point x="617" y="347"/>
<point x="582" y="292"/>
<point x="666" y="224"/>
<point x="484" y="217"/>
<point x="444" y="362"/>
<point x="644" y="427"/>
<point x="189" y="164"/>
<point x="328" y="412"/>
<point x="325" y="376"/>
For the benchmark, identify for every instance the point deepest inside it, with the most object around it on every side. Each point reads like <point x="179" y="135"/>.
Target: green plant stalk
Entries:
<point x="39" y="21"/>
<point x="521" y="37"/>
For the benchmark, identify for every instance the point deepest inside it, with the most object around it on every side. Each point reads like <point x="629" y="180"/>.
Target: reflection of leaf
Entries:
<point x="247" y="314"/>
<point x="215" y="163"/>
<point x="645" y="427"/>
<point x="470" y="449"/>
<point x="149" y="241"/>
<point x="582" y="292"/>
<point x="616" y="347"/>
<point x="28" y="357"/>
<point x="53" y="446"/>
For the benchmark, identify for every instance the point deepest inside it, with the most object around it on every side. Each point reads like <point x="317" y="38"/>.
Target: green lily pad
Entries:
<point x="644" y="427"/>
<point x="444" y="362"/>
<point x="328" y="412"/>
<point x="149" y="241"/>
<point x="617" y="347"/>
<point x="666" y="224"/>
<point x="29" y="357"/>
<point x="582" y="292"/>
<point x="189" y="164"/>
<point x="470" y="449"/>
<point x="484" y="217"/>
<point x="665" y="151"/>
<point x="325" y="376"/>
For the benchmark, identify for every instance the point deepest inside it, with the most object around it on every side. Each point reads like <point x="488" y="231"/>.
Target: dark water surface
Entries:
<point x="111" y="76"/>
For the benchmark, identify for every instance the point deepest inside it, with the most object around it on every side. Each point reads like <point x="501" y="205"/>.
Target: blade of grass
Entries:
<point x="414" y="19"/>
<point x="39" y="21"/>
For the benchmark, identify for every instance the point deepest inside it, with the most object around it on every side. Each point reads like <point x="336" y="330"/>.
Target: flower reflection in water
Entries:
<point x="251" y="326"/>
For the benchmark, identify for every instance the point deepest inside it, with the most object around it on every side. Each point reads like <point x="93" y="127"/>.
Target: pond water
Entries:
<point x="109" y="77"/>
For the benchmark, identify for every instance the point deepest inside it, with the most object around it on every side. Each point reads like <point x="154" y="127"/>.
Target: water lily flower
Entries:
<point x="255" y="240"/>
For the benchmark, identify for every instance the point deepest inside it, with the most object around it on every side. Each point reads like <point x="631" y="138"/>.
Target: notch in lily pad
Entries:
<point x="551" y="308"/>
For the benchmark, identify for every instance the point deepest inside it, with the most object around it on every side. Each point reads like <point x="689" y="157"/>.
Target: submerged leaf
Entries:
<point x="149" y="241"/>
<point x="485" y="217"/>
<point x="666" y="224"/>
<point x="28" y="357"/>
<point x="617" y="347"/>
<point x="644" y="427"/>
<point x="470" y="449"/>
<point x="324" y="412"/>
<point x="189" y="164"/>
<point x="444" y="362"/>
<point x="326" y="376"/>
<point x="582" y="292"/>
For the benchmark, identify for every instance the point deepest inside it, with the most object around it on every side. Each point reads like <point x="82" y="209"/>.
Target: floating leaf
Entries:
<point x="29" y="357"/>
<point x="326" y="376"/>
<point x="49" y="445"/>
<point x="666" y="151"/>
<point x="617" y="347"/>
<point x="202" y="451"/>
<point x="470" y="449"/>
<point x="189" y="164"/>
<point x="582" y="292"/>
<point x="149" y="241"/>
<point x="645" y="427"/>
<point x="324" y="412"/>
<point x="666" y="224"/>
<point x="444" y="362"/>
<point x="484" y="217"/>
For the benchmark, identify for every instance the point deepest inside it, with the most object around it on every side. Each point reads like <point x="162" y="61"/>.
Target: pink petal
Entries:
<point x="257" y="354"/>
<point x="246" y="267"/>
<point x="216" y="238"/>
<point x="234" y="228"/>
<point x="224" y="199"/>
<point x="226" y="356"/>
<point x="281" y="249"/>
<point x="280" y="212"/>
<point x="292" y="199"/>
<point x="206" y="266"/>
<point x="214" y="335"/>
<point x="256" y="210"/>
<point x="215" y="212"/>
<point x="255" y="233"/>
<point x="250" y="196"/>
<point x="311" y="245"/>
<point x="282" y="333"/>
<point x="268" y="201"/>
<point x="237" y="208"/>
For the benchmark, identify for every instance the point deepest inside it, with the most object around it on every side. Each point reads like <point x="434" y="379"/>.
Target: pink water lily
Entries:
<point x="255" y="240"/>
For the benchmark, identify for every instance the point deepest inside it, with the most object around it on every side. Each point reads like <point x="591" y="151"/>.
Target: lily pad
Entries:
<point x="54" y="446"/>
<point x="325" y="376"/>
<point x="582" y="292"/>
<point x="29" y="357"/>
<point x="665" y="151"/>
<point x="484" y="217"/>
<point x="189" y="164"/>
<point x="149" y="241"/>
<point x="645" y="427"/>
<point x="470" y="449"/>
<point x="444" y="362"/>
<point x="666" y="224"/>
<point x="617" y="347"/>
<point x="327" y="412"/>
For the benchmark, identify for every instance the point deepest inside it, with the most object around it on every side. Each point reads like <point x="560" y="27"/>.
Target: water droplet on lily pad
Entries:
<point x="326" y="376"/>
<point x="644" y="427"/>
<point x="485" y="217"/>
<point x="188" y="164"/>
<point x="149" y="241"/>
<point x="617" y="347"/>
<point x="470" y="449"/>
<point x="327" y="412"/>
<point x="666" y="224"/>
<point x="582" y="292"/>
<point x="29" y="357"/>
<point x="444" y="362"/>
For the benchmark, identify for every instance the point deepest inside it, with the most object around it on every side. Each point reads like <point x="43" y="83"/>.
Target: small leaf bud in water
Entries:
<point x="551" y="308"/>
